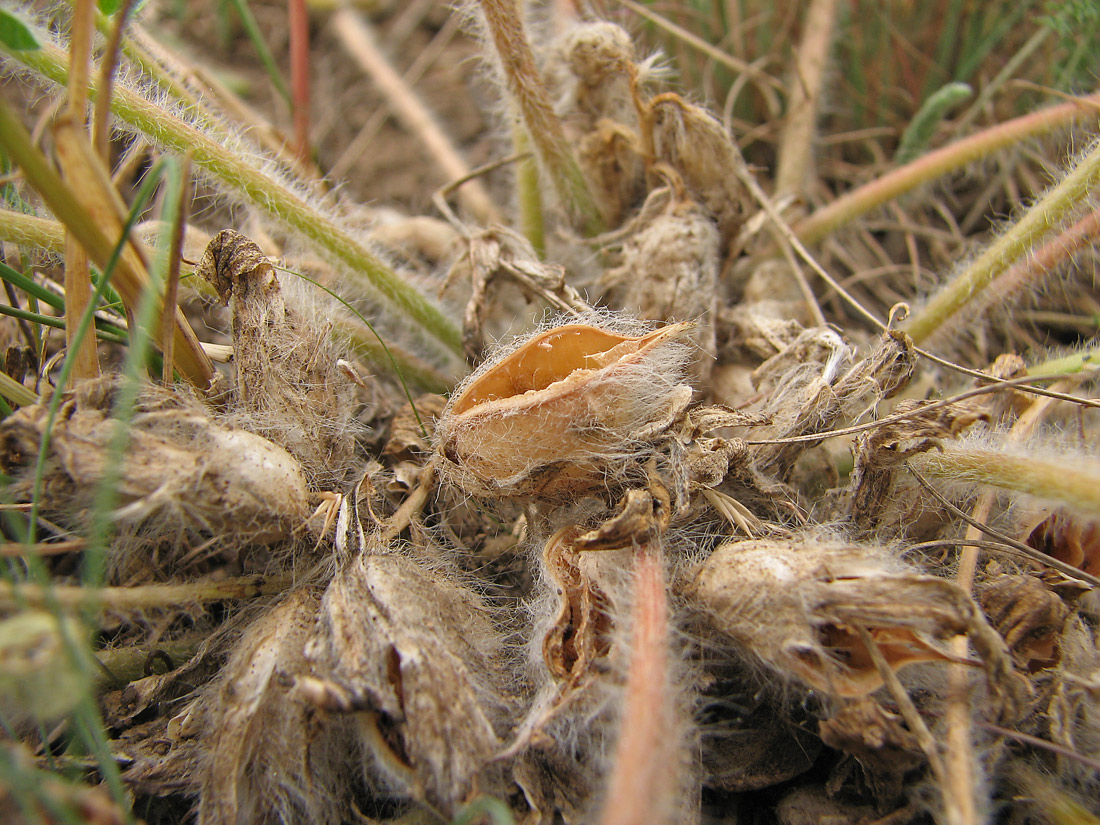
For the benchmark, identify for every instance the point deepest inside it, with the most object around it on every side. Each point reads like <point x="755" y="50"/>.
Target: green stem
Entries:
<point x="1018" y="240"/>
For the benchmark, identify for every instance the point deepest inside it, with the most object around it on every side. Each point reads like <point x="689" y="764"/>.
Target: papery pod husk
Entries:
<point x="414" y="657"/>
<point x="265" y="757"/>
<point x="289" y="387"/>
<point x="562" y="414"/>
<point x="181" y="470"/>
<point x="797" y="606"/>
<point x="696" y="145"/>
<point x="669" y="272"/>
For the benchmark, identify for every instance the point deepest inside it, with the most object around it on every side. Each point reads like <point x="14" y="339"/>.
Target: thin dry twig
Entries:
<point x="357" y="37"/>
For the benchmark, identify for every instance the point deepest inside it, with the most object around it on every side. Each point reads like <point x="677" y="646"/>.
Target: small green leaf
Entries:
<point x="15" y="34"/>
<point x="109" y="7"/>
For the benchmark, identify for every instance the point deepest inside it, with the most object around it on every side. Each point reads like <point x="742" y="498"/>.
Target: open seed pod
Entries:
<point x="564" y="413"/>
<point x="798" y="606"/>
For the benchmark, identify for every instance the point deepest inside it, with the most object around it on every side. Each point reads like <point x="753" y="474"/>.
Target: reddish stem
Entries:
<point x="644" y="777"/>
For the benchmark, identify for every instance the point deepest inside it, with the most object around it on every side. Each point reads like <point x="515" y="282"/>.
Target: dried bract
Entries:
<point x="1028" y="615"/>
<point x="289" y="386"/>
<point x="563" y="414"/>
<point x="690" y="140"/>
<point x="669" y="271"/>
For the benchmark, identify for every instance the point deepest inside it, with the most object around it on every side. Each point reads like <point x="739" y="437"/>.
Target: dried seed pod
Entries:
<point x="882" y="451"/>
<point x="593" y="65"/>
<point x="669" y="271"/>
<point x="265" y="758"/>
<point x="689" y="139"/>
<point x="180" y="470"/>
<point x="289" y="386"/>
<point x="1028" y="615"/>
<point x="798" y="607"/>
<point x="564" y="413"/>
<point x="414" y="655"/>
<point x="1065" y="535"/>
<point x="611" y="158"/>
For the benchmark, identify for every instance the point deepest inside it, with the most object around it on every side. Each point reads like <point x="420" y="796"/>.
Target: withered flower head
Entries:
<point x="558" y="415"/>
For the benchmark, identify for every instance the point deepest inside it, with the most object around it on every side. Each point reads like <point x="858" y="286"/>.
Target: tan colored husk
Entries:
<point x="413" y="656"/>
<point x="180" y="470"/>
<point x="690" y="140"/>
<point x="797" y="606"/>
<point x="564" y="413"/>
<point x="289" y="387"/>
<point x="265" y="753"/>
<point x="669" y="271"/>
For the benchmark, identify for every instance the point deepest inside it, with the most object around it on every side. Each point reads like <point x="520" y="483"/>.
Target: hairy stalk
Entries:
<point x="1034" y="266"/>
<point x="1072" y="481"/>
<point x="645" y="770"/>
<point x="359" y="40"/>
<point x="31" y="231"/>
<point x="145" y="597"/>
<point x="528" y="196"/>
<point x="1019" y="240"/>
<point x="936" y="164"/>
<point x="796" y="139"/>
<point x="960" y="756"/>
<point x="543" y="126"/>
<point x="266" y="193"/>
<point x="1075" y="362"/>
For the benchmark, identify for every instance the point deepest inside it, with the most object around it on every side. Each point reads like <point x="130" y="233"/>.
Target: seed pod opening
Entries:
<point x="562" y="413"/>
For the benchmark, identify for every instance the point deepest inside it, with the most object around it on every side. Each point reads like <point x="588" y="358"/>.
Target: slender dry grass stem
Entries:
<point x="644" y="775"/>
<point x="298" y="24"/>
<point x="543" y="126"/>
<point x="358" y="38"/>
<point x="800" y="128"/>
<point x="78" y="281"/>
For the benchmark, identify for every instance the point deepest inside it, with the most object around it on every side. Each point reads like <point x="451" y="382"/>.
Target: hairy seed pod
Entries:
<point x="563" y="413"/>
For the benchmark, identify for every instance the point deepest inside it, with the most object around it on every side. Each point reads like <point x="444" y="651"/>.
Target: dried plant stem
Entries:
<point x="101" y="120"/>
<point x="961" y="759"/>
<point x="800" y="127"/>
<point x="66" y="202"/>
<point x="298" y="25"/>
<point x="644" y="776"/>
<point x="940" y="162"/>
<point x="359" y="40"/>
<point x="533" y="101"/>
<point x="172" y="280"/>
<point x="1071" y="481"/>
<point x="1019" y="240"/>
<point x="954" y="807"/>
<point x="128" y="664"/>
<point x="78" y="280"/>
<point x="266" y="193"/>
<point x="766" y="84"/>
<point x="146" y="597"/>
